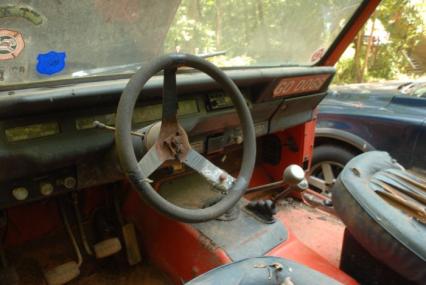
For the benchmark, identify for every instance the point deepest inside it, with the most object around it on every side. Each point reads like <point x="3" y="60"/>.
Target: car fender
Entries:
<point x="345" y="137"/>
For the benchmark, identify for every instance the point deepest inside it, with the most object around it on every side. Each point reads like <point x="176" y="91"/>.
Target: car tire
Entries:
<point x="327" y="162"/>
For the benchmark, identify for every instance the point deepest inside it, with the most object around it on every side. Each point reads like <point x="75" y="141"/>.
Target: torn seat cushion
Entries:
<point x="386" y="231"/>
<point x="267" y="270"/>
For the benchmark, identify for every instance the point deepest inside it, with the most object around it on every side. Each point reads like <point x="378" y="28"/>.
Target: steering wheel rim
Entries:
<point x="127" y="155"/>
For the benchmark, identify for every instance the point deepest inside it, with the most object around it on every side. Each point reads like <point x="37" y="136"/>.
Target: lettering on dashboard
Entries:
<point x="299" y="85"/>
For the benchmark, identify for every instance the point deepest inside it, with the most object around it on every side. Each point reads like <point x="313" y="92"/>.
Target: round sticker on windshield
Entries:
<point x="11" y="44"/>
<point x="317" y="55"/>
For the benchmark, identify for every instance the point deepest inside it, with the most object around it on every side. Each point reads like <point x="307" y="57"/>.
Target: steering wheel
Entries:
<point x="172" y="142"/>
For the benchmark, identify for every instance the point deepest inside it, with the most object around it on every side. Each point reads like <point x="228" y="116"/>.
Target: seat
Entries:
<point x="267" y="270"/>
<point x="383" y="207"/>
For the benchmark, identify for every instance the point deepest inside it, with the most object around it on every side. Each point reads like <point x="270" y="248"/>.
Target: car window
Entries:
<point x="44" y="40"/>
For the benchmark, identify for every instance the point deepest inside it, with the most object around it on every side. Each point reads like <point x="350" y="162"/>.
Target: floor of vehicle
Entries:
<point x="140" y="274"/>
<point x="35" y="257"/>
<point x="317" y="229"/>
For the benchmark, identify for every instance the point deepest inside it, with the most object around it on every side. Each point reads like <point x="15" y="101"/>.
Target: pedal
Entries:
<point x="63" y="273"/>
<point x="66" y="272"/>
<point x="107" y="247"/>
<point x="131" y="244"/>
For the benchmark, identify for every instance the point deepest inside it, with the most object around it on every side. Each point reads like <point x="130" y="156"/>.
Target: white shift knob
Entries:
<point x="293" y="175"/>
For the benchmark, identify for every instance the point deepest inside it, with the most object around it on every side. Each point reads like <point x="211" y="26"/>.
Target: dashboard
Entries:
<point x="49" y="144"/>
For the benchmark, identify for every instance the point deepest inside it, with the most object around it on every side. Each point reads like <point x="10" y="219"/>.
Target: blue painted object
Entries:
<point x="51" y="62"/>
<point x="380" y="115"/>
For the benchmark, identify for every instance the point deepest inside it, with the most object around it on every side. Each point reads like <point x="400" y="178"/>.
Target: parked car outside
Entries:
<point x="356" y="118"/>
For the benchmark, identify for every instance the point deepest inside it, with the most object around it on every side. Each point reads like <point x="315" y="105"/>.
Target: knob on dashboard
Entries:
<point x="20" y="193"/>
<point x="70" y="182"/>
<point x="46" y="188"/>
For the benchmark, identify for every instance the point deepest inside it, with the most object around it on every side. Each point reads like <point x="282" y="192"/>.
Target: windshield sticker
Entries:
<point x="21" y="11"/>
<point x="317" y="55"/>
<point x="51" y="62"/>
<point x="11" y="44"/>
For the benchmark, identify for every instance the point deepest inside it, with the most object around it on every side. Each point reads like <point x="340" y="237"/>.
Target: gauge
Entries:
<point x="147" y="113"/>
<point x="154" y="112"/>
<point x="187" y="107"/>
<point x="140" y="115"/>
<point x="217" y="101"/>
<point x="32" y="131"/>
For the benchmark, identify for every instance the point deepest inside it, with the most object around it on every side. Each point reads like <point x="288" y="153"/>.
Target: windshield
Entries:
<point x="55" y="40"/>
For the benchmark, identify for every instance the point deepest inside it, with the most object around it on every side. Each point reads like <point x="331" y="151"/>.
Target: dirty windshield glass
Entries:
<point x="43" y="40"/>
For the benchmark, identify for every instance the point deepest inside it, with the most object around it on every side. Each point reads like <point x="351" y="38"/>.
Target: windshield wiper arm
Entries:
<point x="129" y="67"/>
<point x="212" y="54"/>
<point x="109" y="69"/>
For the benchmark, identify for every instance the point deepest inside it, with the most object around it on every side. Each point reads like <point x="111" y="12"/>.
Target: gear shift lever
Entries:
<point x="293" y="178"/>
<point x="293" y="175"/>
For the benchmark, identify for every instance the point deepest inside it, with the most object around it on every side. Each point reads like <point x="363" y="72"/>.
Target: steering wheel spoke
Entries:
<point x="170" y="100"/>
<point x="216" y="176"/>
<point x="150" y="162"/>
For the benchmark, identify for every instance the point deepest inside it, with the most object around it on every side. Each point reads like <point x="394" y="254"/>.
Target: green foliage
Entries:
<point x="386" y="64"/>
<point x="270" y="32"/>
<point x="266" y="32"/>
<point x="345" y="71"/>
<point x="406" y="27"/>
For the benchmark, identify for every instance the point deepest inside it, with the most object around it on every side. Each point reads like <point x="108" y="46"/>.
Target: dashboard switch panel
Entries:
<point x="36" y="188"/>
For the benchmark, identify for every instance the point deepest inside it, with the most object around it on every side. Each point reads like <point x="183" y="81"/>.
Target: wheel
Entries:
<point x="172" y="143"/>
<point x="327" y="163"/>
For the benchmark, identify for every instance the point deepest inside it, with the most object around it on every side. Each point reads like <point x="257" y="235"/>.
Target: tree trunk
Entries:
<point x="357" y="55"/>
<point x="368" y="51"/>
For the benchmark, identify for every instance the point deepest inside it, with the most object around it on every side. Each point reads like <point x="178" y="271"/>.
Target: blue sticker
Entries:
<point x="51" y="62"/>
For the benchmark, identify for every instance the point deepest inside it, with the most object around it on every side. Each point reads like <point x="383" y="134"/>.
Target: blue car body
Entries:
<point x="376" y="117"/>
